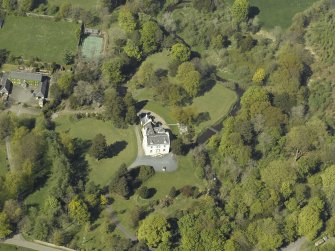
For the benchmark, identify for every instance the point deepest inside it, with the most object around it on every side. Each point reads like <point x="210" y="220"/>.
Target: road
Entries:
<point x="18" y="240"/>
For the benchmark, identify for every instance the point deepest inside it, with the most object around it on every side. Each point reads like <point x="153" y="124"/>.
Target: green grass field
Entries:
<point x="217" y="102"/>
<point x="102" y="170"/>
<point x="279" y="12"/>
<point x="85" y="4"/>
<point x="33" y="37"/>
<point x="162" y="182"/>
<point x="8" y="247"/>
<point x="3" y="161"/>
<point x="92" y="47"/>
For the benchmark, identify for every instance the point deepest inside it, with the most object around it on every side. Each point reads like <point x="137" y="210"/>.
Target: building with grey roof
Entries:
<point x="6" y="86"/>
<point x="156" y="140"/>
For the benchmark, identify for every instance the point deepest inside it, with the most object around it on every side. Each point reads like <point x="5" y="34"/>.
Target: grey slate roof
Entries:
<point x="26" y="76"/>
<point x="155" y="135"/>
<point x="6" y="85"/>
<point x="42" y="90"/>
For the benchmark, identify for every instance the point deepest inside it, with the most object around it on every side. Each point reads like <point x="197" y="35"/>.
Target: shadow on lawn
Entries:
<point x="116" y="148"/>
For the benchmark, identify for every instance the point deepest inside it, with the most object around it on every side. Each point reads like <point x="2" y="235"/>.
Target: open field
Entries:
<point x="279" y="13"/>
<point x="101" y="171"/>
<point x="85" y="4"/>
<point x="34" y="37"/>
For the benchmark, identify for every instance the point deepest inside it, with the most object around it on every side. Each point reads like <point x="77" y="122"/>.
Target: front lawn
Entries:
<point x="103" y="170"/>
<point x="32" y="37"/>
<point x="162" y="183"/>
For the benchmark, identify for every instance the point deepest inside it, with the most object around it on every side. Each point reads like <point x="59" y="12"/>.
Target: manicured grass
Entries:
<point x="159" y="60"/>
<point x="3" y="160"/>
<point x="216" y="102"/>
<point x="162" y="183"/>
<point x="279" y="12"/>
<point x="34" y="37"/>
<point x="85" y="4"/>
<point x="8" y="247"/>
<point x="101" y="171"/>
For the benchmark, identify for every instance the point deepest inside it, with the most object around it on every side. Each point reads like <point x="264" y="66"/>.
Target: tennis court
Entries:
<point x="92" y="47"/>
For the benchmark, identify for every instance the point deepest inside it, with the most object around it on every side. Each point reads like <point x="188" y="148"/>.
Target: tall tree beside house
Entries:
<point x="189" y="78"/>
<point x="99" y="147"/>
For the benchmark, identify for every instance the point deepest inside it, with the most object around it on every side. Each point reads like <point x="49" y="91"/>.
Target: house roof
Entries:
<point x="26" y="76"/>
<point x="156" y="135"/>
<point x="42" y="90"/>
<point x="6" y="85"/>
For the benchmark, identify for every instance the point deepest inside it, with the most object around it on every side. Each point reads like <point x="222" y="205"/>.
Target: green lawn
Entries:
<point x="85" y="4"/>
<point x="33" y="37"/>
<point x="162" y="182"/>
<point x="8" y="247"/>
<point x="101" y="171"/>
<point x="3" y="160"/>
<point x="279" y="12"/>
<point x="217" y="102"/>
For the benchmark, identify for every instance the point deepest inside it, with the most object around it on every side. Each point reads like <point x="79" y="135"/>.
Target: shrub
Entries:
<point x="143" y="192"/>
<point x="145" y="172"/>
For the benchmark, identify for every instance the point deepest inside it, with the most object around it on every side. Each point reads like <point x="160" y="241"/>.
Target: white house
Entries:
<point x="156" y="141"/>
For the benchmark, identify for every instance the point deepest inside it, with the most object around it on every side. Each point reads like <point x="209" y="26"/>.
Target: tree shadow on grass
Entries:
<point x="140" y="105"/>
<point x="253" y="11"/>
<point x="79" y="165"/>
<point x="114" y="149"/>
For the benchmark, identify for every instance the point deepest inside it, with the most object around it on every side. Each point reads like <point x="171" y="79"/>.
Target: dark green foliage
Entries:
<point x="143" y="192"/>
<point x="119" y="184"/>
<point x="145" y="172"/>
<point x="204" y="5"/>
<point x="99" y="147"/>
<point x="177" y="146"/>
<point x="3" y="56"/>
<point x="173" y="192"/>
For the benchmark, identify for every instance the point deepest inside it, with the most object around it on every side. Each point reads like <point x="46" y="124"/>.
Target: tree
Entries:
<point x="132" y="50"/>
<point x="143" y="192"/>
<point x="151" y="37"/>
<point x="13" y="211"/>
<point x="173" y="192"/>
<point x="180" y="52"/>
<point x="204" y="5"/>
<point x="204" y="228"/>
<point x="3" y="56"/>
<point x="154" y="230"/>
<point x="309" y="219"/>
<point x="26" y="5"/>
<point x="127" y="20"/>
<point x="5" y="227"/>
<point x="78" y="211"/>
<point x="189" y="78"/>
<point x="240" y="10"/>
<point x="258" y="76"/>
<point x="65" y="83"/>
<point x="112" y="71"/>
<point x="99" y="147"/>
<point x="145" y="172"/>
<point x="177" y="146"/>
<point x="146" y="75"/>
<point x="69" y="58"/>
<point x="265" y="233"/>
<point x="9" y="4"/>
